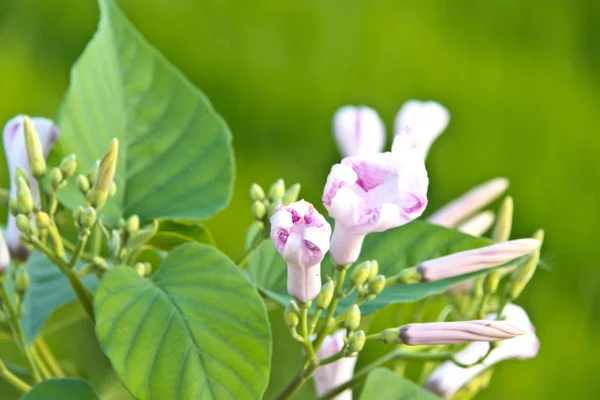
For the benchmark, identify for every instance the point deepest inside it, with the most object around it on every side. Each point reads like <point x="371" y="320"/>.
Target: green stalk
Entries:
<point x="14" y="380"/>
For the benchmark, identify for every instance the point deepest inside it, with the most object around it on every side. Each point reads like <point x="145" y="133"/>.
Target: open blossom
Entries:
<point x="330" y="376"/>
<point x="458" y="332"/>
<point x="358" y="131"/>
<point x="423" y="122"/>
<point x="16" y="157"/>
<point x="372" y="194"/>
<point x="448" y="378"/>
<point x="478" y="259"/>
<point x="469" y="203"/>
<point x="301" y="235"/>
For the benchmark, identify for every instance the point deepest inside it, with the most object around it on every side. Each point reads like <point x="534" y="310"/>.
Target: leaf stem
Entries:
<point x="41" y="365"/>
<point x="339" y="287"/>
<point x="301" y="377"/>
<point x="14" y="380"/>
<point x="46" y="353"/>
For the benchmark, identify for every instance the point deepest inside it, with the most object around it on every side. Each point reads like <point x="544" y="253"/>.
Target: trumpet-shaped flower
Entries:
<point x="423" y="122"/>
<point x="330" y="376"/>
<point x="358" y="131"/>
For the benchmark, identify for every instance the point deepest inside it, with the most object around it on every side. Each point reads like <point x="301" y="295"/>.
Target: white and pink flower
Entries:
<point x="423" y="122"/>
<point x="16" y="157"/>
<point x="330" y="376"/>
<point x="372" y="194"/>
<point x="358" y="131"/>
<point x="301" y="235"/>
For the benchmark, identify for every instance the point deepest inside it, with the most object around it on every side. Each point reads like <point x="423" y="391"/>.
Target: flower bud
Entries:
<point x="356" y="341"/>
<point x="492" y="280"/>
<point x="143" y="269"/>
<point x="361" y="273"/>
<point x="87" y="218"/>
<point x="35" y="152"/>
<point x="133" y="224"/>
<point x="434" y="333"/>
<point x="390" y="335"/>
<point x="330" y="376"/>
<point x="301" y="235"/>
<point x="56" y="178"/>
<point x="83" y="183"/>
<point x="358" y="131"/>
<point x="376" y="285"/>
<point x="92" y="174"/>
<point x="107" y="168"/>
<point x="258" y="210"/>
<point x="373" y="269"/>
<point x="469" y="203"/>
<point x="423" y="122"/>
<point x="77" y="215"/>
<point x="24" y="200"/>
<point x="13" y="206"/>
<point x="114" y="244"/>
<point x="291" y="195"/>
<point x="277" y="190"/>
<point x="21" y="280"/>
<point x="521" y="276"/>
<point x="100" y="263"/>
<point x="68" y="166"/>
<point x="475" y="260"/>
<point x="478" y="224"/>
<point x="291" y="315"/>
<point x="504" y="221"/>
<point x="97" y="198"/>
<point x="42" y="220"/>
<point x="256" y="192"/>
<point x="112" y="190"/>
<point x="326" y="295"/>
<point x="352" y="321"/>
<point x="23" y="223"/>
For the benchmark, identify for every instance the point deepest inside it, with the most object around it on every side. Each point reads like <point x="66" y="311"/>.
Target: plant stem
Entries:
<point x="241" y="260"/>
<point x="339" y="287"/>
<point x="81" y="242"/>
<point x="398" y="353"/>
<point x="71" y="247"/>
<point x="14" y="380"/>
<point x="39" y="362"/>
<point x="56" y="238"/>
<point x="315" y="319"/>
<point x="308" y="347"/>
<point x="301" y="377"/>
<point x="46" y="353"/>
<point x="18" y="335"/>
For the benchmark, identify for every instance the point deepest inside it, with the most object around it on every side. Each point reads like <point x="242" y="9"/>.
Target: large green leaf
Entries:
<point x="395" y="250"/>
<point x="383" y="384"/>
<point x="175" y="158"/>
<point x="48" y="291"/>
<point x="172" y="232"/>
<point x="197" y="330"/>
<point x="61" y="389"/>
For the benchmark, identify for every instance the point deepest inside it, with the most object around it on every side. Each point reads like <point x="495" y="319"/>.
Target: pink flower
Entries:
<point x="448" y="378"/>
<point x="457" y="332"/>
<point x="301" y="235"/>
<point x="479" y="259"/>
<point x="330" y="376"/>
<point x="423" y="122"/>
<point x="358" y="131"/>
<point x="372" y="194"/>
<point x="16" y="157"/>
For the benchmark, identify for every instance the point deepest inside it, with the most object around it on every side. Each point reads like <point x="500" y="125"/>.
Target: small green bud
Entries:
<point x="277" y="190"/>
<point x="83" y="183"/>
<point x="77" y="216"/>
<point x="373" y="269"/>
<point x="56" y="177"/>
<point x="42" y="220"/>
<point x="107" y="168"/>
<point x="23" y="223"/>
<point x="133" y="224"/>
<point x="24" y="200"/>
<point x="504" y="221"/>
<point x="21" y="173"/>
<point x="68" y="166"/>
<point x="361" y="273"/>
<point x="21" y="280"/>
<point x="100" y="263"/>
<point x="356" y="341"/>
<point x="35" y="152"/>
<point x="97" y="198"/>
<point x="325" y="295"/>
<point x="478" y="287"/>
<point x="291" y="315"/>
<point x="13" y="207"/>
<point x="291" y="195"/>
<point x="258" y="210"/>
<point x="492" y="280"/>
<point x="352" y="321"/>
<point x="113" y="190"/>
<point x="521" y="276"/>
<point x="390" y="335"/>
<point x="143" y="269"/>
<point x="92" y="174"/>
<point x="376" y="285"/>
<point x="114" y="244"/>
<point x="87" y="218"/>
<point x="256" y="192"/>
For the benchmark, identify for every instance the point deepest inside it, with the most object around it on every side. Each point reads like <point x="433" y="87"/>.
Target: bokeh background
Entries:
<point x="520" y="77"/>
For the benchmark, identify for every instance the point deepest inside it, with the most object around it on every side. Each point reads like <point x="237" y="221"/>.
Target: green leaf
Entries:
<point x="383" y="384"/>
<point x="197" y="330"/>
<point x="173" y="232"/>
<point x="48" y="290"/>
<point x="395" y="250"/>
<point x="61" y="389"/>
<point x="175" y="157"/>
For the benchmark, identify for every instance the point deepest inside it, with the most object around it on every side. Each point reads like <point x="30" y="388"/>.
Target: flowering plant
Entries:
<point x="105" y="223"/>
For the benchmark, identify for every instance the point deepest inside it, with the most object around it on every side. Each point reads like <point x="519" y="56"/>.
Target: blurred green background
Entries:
<point x="521" y="79"/>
